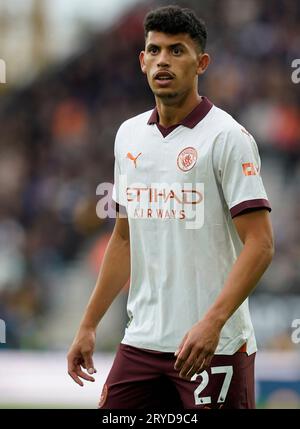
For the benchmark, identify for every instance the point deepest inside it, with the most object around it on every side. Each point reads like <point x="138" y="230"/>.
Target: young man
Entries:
<point x="197" y="239"/>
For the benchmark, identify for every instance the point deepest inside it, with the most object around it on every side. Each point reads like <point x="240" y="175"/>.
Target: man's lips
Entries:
<point x="163" y="78"/>
<point x="163" y="75"/>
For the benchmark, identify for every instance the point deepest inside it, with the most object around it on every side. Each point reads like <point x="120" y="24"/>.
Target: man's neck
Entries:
<point x="172" y="114"/>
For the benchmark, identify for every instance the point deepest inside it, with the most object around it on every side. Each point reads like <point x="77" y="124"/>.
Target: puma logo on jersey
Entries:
<point x="133" y="158"/>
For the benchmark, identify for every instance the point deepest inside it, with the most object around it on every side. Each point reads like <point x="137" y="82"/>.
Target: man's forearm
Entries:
<point x="246" y="272"/>
<point x="113" y="275"/>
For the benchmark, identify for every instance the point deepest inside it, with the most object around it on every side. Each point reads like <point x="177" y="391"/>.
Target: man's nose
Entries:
<point x="163" y="60"/>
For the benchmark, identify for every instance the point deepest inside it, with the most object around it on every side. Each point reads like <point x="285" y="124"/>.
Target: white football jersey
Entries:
<point x="181" y="188"/>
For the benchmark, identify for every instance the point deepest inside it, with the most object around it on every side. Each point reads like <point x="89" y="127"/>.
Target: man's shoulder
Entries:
<point x="229" y="130"/>
<point x="135" y="121"/>
<point x="223" y="121"/>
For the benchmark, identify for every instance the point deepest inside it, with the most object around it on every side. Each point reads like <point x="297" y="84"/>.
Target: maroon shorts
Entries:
<point x="142" y="379"/>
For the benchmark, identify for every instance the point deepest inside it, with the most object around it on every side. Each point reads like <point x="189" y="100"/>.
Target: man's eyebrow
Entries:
<point x="152" y="45"/>
<point x="173" y="45"/>
<point x="178" y="44"/>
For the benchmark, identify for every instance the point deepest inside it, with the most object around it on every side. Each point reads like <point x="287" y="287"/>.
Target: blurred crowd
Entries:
<point x="57" y="138"/>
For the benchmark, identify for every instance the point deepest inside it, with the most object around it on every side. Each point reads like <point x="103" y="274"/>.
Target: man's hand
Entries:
<point x="80" y="356"/>
<point x="197" y="348"/>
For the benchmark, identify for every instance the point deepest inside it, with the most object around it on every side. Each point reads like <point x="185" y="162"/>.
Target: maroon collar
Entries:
<point x="190" y="121"/>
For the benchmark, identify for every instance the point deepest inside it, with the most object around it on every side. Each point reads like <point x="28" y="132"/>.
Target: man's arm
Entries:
<point x="113" y="275"/>
<point x="199" y="344"/>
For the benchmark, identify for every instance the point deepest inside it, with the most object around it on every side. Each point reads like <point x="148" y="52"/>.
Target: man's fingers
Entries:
<point x="182" y="357"/>
<point x="88" y="362"/>
<point x="198" y="367"/>
<point x="72" y="369"/>
<point x="76" y="372"/>
<point x="190" y="362"/>
<point x="188" y="366"/>
<point x="207" y="362"/>
<point x="180" y="346"/>
<point x="73" y="375"/>
<point x="202" y="363"/>
<point x="84" y="375"/>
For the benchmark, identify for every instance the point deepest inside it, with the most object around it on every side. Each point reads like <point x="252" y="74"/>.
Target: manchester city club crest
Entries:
<point x="187" y="158"/>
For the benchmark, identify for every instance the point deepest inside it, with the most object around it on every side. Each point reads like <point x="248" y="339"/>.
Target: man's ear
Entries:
<point x="203" y="63"/>
<point x="142" y="62"/>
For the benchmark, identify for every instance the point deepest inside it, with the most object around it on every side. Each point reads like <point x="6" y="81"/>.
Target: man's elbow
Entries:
<point x="263" y="246"/>
<point x="267" y="247"/>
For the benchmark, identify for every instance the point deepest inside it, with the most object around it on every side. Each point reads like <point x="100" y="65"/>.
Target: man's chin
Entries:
<point x="165" y="94"/>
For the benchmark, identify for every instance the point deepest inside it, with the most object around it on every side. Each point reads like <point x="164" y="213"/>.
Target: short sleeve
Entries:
<point x="238" y="170"/>
<point x="119" y="187"/>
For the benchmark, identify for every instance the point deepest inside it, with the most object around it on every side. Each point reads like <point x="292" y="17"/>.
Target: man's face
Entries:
<point x="172" y="64"/>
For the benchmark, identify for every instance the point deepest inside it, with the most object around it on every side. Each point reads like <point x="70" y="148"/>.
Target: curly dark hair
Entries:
<point x="174" y="20"/>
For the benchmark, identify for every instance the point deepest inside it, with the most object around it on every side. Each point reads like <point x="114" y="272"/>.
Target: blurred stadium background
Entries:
<point x="72" y="77"/>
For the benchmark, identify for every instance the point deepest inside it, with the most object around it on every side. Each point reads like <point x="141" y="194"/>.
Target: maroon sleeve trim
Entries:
<point x="250" y="205"/>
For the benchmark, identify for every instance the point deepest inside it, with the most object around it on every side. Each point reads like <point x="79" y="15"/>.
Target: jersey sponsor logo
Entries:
<point x="154" y="195"/>
<point x="249" y="169"/>
<point x="182" y="201"/>
<point x="187" y="158"/>
<point x="159" y="214"/>
<point x="133" y="158"/>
